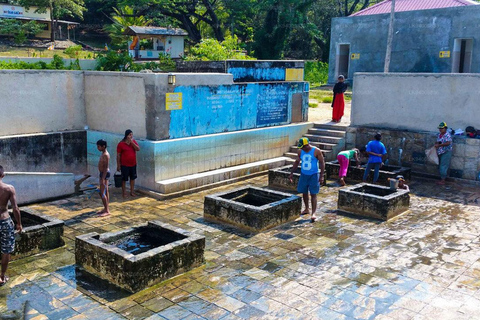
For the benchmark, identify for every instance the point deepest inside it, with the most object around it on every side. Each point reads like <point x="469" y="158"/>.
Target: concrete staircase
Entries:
<point x="329" y="138"/>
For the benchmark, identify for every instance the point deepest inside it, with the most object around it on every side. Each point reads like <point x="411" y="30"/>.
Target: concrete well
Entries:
<point x="356" y="174"/>
<point x="40" y="233"/>
<point x="139" y="257"/>
<point x="369" y="200"/>
<point x="252" y="209"/>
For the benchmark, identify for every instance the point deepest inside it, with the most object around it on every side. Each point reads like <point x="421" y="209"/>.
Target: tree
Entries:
<point x="122" y="19"/>
<point x="58" y="9"/>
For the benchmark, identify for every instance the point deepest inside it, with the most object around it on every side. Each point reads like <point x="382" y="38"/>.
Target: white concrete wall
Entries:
<point x="33" y="101"/>
<point x="32" y="187"/>
<point x="176" y="47"/>
<point x="417" y="102"/>
<point x="116" y="101"/>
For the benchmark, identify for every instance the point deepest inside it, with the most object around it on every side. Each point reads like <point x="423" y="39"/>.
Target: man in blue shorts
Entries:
<point x="7" y="230"/>
<point x="376" y="155"/>
<point x="310" y="177"/>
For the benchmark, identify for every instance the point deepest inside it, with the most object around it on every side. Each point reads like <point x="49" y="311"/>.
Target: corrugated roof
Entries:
<point x="411" y="5"/>
<point x="134" y="30"/>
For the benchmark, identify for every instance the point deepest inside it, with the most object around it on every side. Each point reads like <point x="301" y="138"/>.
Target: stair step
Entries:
<point x="323" y="145"/>
<point x="210" y="177"/>
<point x="323" y="139"/>
<point x="338" y="127"/>
<point x="326" y="132"/>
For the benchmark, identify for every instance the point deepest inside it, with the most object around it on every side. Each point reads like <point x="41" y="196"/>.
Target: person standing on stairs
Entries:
<point x="310" y="178"/>
<point x="338" y="102"/>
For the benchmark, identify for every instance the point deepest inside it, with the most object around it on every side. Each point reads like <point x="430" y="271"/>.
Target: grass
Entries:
<point x="312" y="105"/>
<point x="326" y="95"/>
<point x="6" y="51"/>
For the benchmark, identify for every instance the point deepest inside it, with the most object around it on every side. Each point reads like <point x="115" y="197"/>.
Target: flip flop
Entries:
<point x="304" y="213"/>
<point x="5" y="281"/>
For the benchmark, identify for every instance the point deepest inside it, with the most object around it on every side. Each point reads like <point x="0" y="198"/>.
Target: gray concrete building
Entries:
<point x="432" y="40"/>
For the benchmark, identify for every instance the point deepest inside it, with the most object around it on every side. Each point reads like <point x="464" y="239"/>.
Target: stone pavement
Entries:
<point x="421" y="265"/>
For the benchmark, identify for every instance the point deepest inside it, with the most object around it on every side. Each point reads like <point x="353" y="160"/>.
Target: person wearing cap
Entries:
<point x="338" y="102"/>
<point x="310" y="178"/>
<point x="127" y="161"/>
<point x="444" y="151"/>
<point x="401" y="183"/>
<point x="343" y="158"/>
<point x="376" y="154"/>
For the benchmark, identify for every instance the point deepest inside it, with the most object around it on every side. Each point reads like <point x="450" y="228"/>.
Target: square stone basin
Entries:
<point x="139" y="257"/>
<point x="40" y="233"/>
<point x="252" y="209"/>
<point x="369" y="200"/>
<point x="278" y="178"/>
<point x="356" y="174"/>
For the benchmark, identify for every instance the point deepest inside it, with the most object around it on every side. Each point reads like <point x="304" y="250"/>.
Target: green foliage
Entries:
<point x="213" y="50"/>
<point x="19" y="30"/>
<point x="316" y="72"/>
<point x="114" y="61"/>
<point x="327" y="99"/>
<point x="61" y="8"/>
<point x="122" y="19"/>
<point x="312" y="105"/>
<point x="57" y="63"/>
<point x="73" y="51"/>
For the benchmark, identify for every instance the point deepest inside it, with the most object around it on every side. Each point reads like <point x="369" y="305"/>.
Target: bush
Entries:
<point x="19" y="30"/>
<point x="115" y="61"/>
<point x="57" y="63"/>
<point x="327" y="99"/>
<point x="316" y="72"/>
<point x="312" y="105"/>
<point x="73" y="51"/>
<point x="212" y="50"/>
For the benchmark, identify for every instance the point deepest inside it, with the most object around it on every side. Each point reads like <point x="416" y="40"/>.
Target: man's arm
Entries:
<point x="16" y="211"/>
<point x="295" y="166"/>
<point x="321" y="160"/>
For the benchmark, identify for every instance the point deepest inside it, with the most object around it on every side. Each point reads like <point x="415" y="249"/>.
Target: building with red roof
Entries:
<point x="438" y="36"/>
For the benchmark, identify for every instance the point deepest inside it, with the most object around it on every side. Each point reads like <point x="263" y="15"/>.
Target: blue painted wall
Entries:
<point x="419" y="36"/>
<point x="216" y="109"/>
<point x="261" y="70"/>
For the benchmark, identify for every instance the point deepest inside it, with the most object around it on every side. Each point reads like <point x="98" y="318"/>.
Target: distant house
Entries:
<point x="7" y="11"/>
<point x="165" y="41"/>
<point x="440" y="36"/>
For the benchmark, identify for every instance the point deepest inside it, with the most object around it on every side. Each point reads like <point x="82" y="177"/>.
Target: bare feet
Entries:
<point x="4" y="281"/>
<point x="104" y="214"/>
<point x="441" y="182"/>
<point x="304" y="212"/>
<point x="124" y="195"/>
<point x="101" y="211"/>
<point x="133" y="194"/>
<point x="342" y="181"/>
<point x="313" y="218"/>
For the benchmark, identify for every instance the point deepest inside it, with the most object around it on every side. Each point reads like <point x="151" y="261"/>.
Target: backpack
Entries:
<point x="470" y="132"/>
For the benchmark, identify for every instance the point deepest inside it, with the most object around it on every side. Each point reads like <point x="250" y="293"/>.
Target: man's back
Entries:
<point x="6" y="191"/>
<point x="376" y="146"/>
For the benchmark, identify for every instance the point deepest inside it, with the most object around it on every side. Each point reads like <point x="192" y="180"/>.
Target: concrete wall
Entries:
<point x="416" y="102"/>
<point x="46" y="152"/>
<point x="85" y="64"/>
<point x="419" y="37"/>
<point x="408" y="149"/>
<point x="41" y="101"/>
<point x="161" y="160"/>
<point x="33" y="187"/>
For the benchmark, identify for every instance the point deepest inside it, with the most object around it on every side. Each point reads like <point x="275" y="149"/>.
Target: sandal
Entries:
<point x="304" y="213"/>
<point x="4" y="282"/>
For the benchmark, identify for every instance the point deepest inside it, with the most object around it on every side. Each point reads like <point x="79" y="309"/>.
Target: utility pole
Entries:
<point x="52" y="23"/>
<point x="390" y="38"/>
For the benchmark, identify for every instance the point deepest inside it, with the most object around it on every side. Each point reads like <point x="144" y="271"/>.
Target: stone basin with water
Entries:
<point x="141" y="256"/>
<point x="252" y="209"/>
<point x="356" y="174"/>
<point x="40" y="233"/>
<point x="279" y="178"/>
<point x="368" y="200"/>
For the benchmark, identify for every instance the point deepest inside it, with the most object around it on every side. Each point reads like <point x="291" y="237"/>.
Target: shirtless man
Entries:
<point x="7" y="230"/>
<point x="104" y="175"/>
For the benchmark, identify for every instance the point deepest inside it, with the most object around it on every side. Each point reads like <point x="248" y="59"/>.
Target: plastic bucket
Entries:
<point x="393" y="184"/>
<point x="117" y="177"/>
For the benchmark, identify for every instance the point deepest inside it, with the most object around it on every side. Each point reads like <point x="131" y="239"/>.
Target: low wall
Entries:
<point x="416" y="102"/>
<point x="47" y="152"/>
<point x="407" y="149"/>
<point x="161" y="160"/>
<point x="32" y="187"/>
<point x="41" y="101"/>
<point x="85" y="64"/>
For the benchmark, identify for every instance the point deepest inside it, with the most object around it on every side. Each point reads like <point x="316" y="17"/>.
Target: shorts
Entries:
<point x="106" y="177"/>
<point x="309" y="183"/>
<point x="128" y="172"/>
<point x="7" y="236"/>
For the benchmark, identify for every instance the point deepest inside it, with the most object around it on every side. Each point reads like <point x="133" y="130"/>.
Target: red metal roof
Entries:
<point x="411" y="5"/>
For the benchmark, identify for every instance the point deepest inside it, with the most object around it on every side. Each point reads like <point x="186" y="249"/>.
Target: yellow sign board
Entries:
<point x="294" y="75"/>
<point x="444" y="54"/>
<point x="174" y="101"/>
<point x="355" y="56"/>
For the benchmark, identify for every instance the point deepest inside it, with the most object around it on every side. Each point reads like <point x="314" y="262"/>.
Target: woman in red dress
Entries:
<point x="338" y="103"/>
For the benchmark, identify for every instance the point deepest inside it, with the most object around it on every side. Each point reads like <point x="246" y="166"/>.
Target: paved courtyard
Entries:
<point x="421" y="265"/>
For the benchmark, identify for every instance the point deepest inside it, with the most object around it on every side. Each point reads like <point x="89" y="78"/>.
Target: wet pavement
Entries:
<point x="424" y="264"/>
